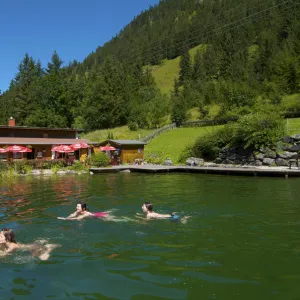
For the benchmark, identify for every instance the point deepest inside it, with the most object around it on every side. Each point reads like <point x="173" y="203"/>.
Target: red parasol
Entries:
<point x="80" y="146"/>
<point x="62" y="149"/>
<point x="107" y="148"/>
<point x="57" y="148"/>
<point x="3" y="150"/>
<point x="26" y="149"/>
<point x="66" y="149"/>
<point x="16" y="148"/>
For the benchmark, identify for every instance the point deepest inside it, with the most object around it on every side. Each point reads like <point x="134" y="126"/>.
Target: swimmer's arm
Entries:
<point x="139" y="217"/>
<point x="13" y="247"/>
<point x="159" y="216"/>
<point x="72" y="216"/>
<point x="80" y="217"/>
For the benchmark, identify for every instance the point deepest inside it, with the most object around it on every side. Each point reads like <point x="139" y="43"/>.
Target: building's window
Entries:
<point x="17" y="155"/>
<point x="39" y="154"/>
<point x="140" y="150"/>
<point x="3" y="156"/>
<point x="45" y="135"/>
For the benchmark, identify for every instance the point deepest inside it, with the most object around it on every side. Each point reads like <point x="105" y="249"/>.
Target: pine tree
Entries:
<point x="185" y="67"/>
<point x="55" y="64"/>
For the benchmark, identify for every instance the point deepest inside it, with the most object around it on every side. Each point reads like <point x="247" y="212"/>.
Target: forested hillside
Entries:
<point x="248" y="60"/>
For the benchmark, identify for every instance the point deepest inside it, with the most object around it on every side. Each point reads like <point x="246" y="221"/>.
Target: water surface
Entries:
<point x="241" y="242"/>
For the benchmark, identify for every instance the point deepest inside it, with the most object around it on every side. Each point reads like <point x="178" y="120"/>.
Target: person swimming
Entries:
<point x="8" y="244"/>
<point x="147" y="209"/>
<point x="82" y="212"/>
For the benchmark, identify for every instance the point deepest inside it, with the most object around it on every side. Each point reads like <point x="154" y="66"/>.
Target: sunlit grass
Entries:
<point x="119" y="133"/>
<point x="292" y="126"/>
<point x="165" y="73"/>
<point x="172" y="143"/>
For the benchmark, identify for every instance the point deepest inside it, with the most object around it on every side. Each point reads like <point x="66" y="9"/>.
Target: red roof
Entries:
<point x="39" y="128"/>
<point x="40" y="141"/>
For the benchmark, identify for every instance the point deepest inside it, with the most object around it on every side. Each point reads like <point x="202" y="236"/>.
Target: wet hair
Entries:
<point x="9" y="235"/>
<point x="83" y="206"/>
<point x="148" y="205"/>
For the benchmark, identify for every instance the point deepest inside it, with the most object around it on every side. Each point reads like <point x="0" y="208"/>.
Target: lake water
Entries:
<point x="241" y="242"/>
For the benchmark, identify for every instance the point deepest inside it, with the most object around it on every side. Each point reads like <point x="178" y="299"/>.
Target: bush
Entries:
<point x="209" y="145"/>
<point x="258" y="130"/>
<point x="78" y="166"/>
<point x="3" y="166"/>
<point x="133" y="126"/>
<point x="291" y="106"/>
<point x="249" y="132"/>
<point x="100" y="159"/>
<point x="20" y="166"/>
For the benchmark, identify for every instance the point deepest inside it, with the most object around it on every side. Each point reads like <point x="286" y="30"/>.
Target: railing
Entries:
<point x="208" y="122"/>
<point x="158" y="132"/>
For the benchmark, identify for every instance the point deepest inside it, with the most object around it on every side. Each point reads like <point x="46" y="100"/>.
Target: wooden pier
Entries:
<point x="221" y="170"/>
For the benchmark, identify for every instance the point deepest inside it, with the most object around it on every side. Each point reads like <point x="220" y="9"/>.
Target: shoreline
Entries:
<point x="206" y="169"/>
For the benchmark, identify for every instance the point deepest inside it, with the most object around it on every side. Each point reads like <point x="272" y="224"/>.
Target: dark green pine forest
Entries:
<point x="249" y="61"/>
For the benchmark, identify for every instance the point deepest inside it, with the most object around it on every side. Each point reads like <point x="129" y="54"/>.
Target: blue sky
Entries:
<point x="74" y="28"/>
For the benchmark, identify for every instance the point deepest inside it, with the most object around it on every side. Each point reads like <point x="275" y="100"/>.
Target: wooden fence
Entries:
<point x="158" y="132"/>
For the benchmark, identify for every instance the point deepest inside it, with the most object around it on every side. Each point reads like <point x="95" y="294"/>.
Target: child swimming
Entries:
<point x="8" y="244"/>
<point x="82" y="212"/>
<point x="147" y="208"/>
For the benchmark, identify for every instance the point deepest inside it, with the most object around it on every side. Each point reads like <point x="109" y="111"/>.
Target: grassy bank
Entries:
<point x="118" y="133"/>
<point x="172" y="143"/>
<point x="292" y="126"/>
<point x="165" y="73"/>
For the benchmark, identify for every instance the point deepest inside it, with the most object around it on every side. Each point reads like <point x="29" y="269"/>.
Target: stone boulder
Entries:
<point x="296" y="137"/>
<point x="168" y="162"/>
<point x="259" y="156"/>
<point x="287" y="139"/>
<point x="270" y="153"/>
<point x="268" y="161"/>
<point x="194" y="161"/>
<point x="294" y="148"/>
<point x="258" y="163"/>
<point x="281" y="162"/>
<point x="288" y="155"/>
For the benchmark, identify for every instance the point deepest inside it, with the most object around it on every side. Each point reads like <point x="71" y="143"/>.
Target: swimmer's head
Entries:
<point x="147" y="207"/>
<point x="7" y="235"/>
<point x="81" y="206"/>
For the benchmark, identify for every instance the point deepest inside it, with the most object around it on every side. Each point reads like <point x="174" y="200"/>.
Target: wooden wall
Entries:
<point x="130" y="153"/>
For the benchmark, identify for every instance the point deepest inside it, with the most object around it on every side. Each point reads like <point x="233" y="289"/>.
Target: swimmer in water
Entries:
<point x="147" y="209"/>
<point x="8" y="244"/>
<point x="82" y="212"/>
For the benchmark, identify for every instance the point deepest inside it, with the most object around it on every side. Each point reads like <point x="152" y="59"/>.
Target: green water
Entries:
<point x="241" y="242"/>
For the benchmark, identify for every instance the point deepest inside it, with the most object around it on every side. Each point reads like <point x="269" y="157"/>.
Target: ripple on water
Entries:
<point x="216" y="279"/>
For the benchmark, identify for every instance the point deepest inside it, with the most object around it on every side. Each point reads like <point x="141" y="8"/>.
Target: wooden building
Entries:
<point x="127" y="151"/>
<point x="39" y="139"/>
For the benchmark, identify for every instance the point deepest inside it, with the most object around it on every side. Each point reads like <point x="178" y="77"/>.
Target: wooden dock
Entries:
<point x="221" y="170"/>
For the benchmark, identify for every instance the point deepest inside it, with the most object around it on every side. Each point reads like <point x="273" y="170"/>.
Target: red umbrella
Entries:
<point x="26" y="150"/>
<point x="66" y="149"/>
<point x="107" y="148"/>
<point x="57" y="148"/>
<point x="16" y="148"/>
<point x="80" y="146"/>
<point x="62" y="149"/>
<point x="3" y="150"/>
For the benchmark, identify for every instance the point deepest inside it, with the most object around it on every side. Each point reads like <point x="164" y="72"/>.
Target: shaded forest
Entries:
<point x="249" y="61"/>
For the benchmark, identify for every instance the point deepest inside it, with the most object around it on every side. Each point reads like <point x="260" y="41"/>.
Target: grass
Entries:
<point x="172" y="143"/>
<point x="165" y="73"/>
<point x="292" y="126"/>
<point x="119" y="133"/>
